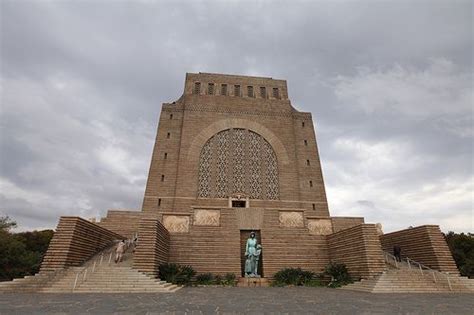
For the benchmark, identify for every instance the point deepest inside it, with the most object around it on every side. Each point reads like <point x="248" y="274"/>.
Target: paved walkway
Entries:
<point x="297" y="300"/>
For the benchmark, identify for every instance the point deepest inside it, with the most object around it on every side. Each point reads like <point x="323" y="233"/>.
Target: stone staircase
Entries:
<point x="406" y="279"/>
<point x="105" y="278"/>
<point x="30" y="284"/>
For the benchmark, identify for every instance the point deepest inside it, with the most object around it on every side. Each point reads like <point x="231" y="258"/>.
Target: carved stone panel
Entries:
<point x="176" y="223"/>
<point x="291" y="219"/>
<point x="319" y="226"/>
<point x="206" y="217"/>
<point x="249" y="218"/>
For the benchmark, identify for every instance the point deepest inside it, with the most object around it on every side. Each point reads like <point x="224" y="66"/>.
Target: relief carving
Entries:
<point x="207" y="217"/>
<point x="176" y="223"/>
<point x="291" y="219"/>
<point x="319" y="226"/>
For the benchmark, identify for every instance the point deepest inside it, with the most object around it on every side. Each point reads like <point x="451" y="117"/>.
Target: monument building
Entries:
<point x="232" y="155"/>
<point x="232" y="159"/>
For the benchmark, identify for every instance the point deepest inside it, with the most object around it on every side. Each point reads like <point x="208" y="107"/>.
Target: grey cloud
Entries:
<point x="83" y="82"/>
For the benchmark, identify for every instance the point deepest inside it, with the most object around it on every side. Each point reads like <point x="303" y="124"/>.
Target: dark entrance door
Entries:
<point x="244" y="235"/>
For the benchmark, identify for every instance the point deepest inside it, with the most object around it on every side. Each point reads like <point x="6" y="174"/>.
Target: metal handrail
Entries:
<point x="411" y="263"/>
<point x="94" y="262"/>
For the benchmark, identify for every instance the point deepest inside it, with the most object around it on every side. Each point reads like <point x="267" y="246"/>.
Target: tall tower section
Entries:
<point x="235" y="138"/>
<point x="233" y="156"/>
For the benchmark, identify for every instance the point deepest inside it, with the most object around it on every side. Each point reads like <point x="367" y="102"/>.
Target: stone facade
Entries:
<point x="231" y="138"/>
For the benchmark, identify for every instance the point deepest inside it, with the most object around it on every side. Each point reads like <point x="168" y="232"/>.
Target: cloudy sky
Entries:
<point x="389" y="84"/>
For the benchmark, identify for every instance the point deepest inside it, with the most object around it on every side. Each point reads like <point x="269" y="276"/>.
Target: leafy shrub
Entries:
<point x="185" y="275"/>
<point x="205" y="278"/>
<point x="293" y="276"/>
<point x="176" y="274"/>
<point x="339" y="274"/>
<point x="229" y="279"/>
<point x="218" y="279"/>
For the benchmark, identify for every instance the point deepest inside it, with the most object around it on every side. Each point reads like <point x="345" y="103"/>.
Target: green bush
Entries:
<point x="218" y="279"/>
<point x="229" y="279"/>
<point x="293" y="276"/>
<point x="176" y="274"/>
<point x="205" y="278"/>
<point x="339" y="275"/>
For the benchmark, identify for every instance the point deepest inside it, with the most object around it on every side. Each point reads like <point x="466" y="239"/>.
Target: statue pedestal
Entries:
<point x="253" y="282"/>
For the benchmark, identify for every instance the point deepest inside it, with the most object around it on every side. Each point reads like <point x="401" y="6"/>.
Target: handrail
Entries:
<point x="90" y="265"/>
<point x="391" y="259"/>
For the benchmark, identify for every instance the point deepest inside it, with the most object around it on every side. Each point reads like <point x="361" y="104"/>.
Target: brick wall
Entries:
<point x="75" y="241"/>
<point x="213" y="249"/>
<point x="291" y="247"/>
<point x="122" y="222"/>
<point x="359" y="249"/>
<point x="342" y="223"/>
<point x="185" y="126"/>
<point x="217" y="249"/>
<point x="153" y="246"/>
<point x="424" y="244"/>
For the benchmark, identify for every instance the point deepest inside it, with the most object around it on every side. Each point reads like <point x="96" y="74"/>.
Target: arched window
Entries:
<point x="238" y="161"/>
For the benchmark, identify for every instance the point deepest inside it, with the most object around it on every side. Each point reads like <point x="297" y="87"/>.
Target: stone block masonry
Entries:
<point x="359" y="249"/>
<point x="123" y="222"/>
<point x="424" y="244"/>
<point x="153" y="246"/>
<point x="75" y="241"/>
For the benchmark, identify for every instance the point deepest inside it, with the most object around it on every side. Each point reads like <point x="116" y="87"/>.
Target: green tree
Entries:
<point x="21" y="253"/>
<point x="462" y="248"/>
<point x="6" y="224"/>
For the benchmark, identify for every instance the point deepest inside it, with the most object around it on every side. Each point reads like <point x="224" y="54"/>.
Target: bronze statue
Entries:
<point x="252" y="252"/>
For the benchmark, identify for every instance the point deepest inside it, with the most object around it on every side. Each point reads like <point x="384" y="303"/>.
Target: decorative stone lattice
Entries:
<point x="271" y="172"/>
<point x="222" y="153"/>
<point x="205" y="170"/>
<point x="206" y="217"/>
<point x="239" y="160"/>
<point x="244" y="163"/>
<point x="319" y="226"/>
<point x="255" y="180"/>
<point x="291" y="219"/>
<point x="176" y="223"/>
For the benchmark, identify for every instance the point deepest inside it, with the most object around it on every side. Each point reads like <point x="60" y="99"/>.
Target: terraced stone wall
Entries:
<point x="424" y="244"/>
<point x="75" y="241"/>
<point x="342" y="223"/>
<point x="123" y="222"/>
<point x="153" y="246"/>
<point x="359" y="249"/>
